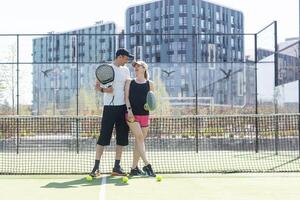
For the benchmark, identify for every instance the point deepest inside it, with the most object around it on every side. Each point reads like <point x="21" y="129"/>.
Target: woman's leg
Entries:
<point x="139" y="148"/>
<point x="136" y="155"/>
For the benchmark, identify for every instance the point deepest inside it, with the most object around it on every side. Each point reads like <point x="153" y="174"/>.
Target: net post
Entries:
<point x="77" y="77"/>
<point x="298" y="119"/>
<point x="77" y="135"/>
<point x="276" y="133"/>
<point x="196" y="69"/>
<point x="256" y="101"/>
<point x="18" y="106"/>
<point x="275" y="53"/>
<point x="276" y="83"/>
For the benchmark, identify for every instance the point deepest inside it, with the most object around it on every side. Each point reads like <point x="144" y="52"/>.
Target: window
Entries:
<point x="218" y="27"/>
<point x="182" y="21"/>
<point x="171" y="34"/>
<point x="183" y="32"/>
<point x="172" y="9"/>
<point x="232" y="29"/>
<point x="182" y="72"/>
<point x="183" y="58"/>
<point x="218" y="39"/>
<point x="232" y="19"/>
<point x="157" y="48"/>
<point x="193" y="21"/>
<point x="182" y="46"/>
<point x="157" y="14"/>
<point x="218" y="15"/>
<point x="202" y="23"/>
<point x="153" y="59"/>
<point x="173" y="58"/>
<point x="182" y="8"/>
<point x="239" y="55"/>
<point x="171" y="21"/>
<point x="148" y="38"/>
<point x="137" y="28"/>
<point x="171" y="46"/>
<point x="157" y="24"/>
<point x="148" y="14"/>
<point x="153" y="49"/>
<point x="132" y="40"/>
<point x="193" y="9"/>
<point x="132" y="28"/>
<point x="132" y="17"/>
<point x="148" y="50"/>
<point x="148" y="25"/>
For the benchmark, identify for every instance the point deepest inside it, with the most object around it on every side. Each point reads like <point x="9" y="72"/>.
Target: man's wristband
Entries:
<point x="129" y="108"/>
<point x="102" y="90"/>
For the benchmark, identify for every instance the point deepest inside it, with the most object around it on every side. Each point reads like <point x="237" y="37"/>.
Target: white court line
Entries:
<point x="102" y="188"/>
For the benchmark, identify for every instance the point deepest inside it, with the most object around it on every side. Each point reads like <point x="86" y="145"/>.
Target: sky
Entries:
<point x="42" y="16"/>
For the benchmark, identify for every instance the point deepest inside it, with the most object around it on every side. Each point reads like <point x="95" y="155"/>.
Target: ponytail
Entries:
<point x="146" y="75"/>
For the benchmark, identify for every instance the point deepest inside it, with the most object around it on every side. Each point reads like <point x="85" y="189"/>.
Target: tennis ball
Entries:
<point x="125" y="179"/>
<point x="158" y="178"/>
<point x="89" y="178"/>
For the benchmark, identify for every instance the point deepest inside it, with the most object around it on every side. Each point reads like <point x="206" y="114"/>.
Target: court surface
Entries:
<point x="261" y="186"/>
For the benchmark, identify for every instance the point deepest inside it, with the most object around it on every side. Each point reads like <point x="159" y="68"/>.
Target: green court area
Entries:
<point x="262" y="186"/>
<point x="58" y="162"/>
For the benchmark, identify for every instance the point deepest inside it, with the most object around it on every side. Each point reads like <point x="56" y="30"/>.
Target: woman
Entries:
<point x="137" y="117"/>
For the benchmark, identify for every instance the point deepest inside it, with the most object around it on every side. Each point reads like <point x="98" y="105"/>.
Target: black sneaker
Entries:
<point x="149" y="171"/>
<point x="95" y="173"/>
<point x="136" y="172"/>
<point x="118" y="171"/>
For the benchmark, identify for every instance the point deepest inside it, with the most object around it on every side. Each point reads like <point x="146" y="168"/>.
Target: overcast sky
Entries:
<point x="42" y="16"/>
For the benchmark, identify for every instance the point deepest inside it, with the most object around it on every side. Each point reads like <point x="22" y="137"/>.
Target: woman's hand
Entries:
<point x="130" y="116"/>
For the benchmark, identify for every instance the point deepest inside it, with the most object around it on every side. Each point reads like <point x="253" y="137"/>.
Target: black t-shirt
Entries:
<point x="137" y="97"/>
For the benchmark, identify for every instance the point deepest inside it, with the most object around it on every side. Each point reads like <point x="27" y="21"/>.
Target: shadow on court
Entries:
<point x="82" y="182"/>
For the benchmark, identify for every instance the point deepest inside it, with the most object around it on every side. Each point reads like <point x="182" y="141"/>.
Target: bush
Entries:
<point x="215" y="132"/>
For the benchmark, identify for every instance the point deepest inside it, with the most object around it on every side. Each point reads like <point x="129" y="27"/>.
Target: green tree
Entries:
<point x="163" y="105"/>
<point x="89" y="102"/>
<point x="7" y="76"/>
<point x="2" y="88"/>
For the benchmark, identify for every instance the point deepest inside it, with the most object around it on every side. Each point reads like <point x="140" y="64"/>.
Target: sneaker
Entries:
<point x="136" y="172"/>
<point x="95" y="173"/>
<point x="149" y="171"/>
<point x="118" y="171"/>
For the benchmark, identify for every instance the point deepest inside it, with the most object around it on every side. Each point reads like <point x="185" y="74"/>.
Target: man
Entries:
<point x="114" y="114"/>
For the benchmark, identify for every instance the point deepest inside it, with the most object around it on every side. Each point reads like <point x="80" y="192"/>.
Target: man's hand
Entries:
<point x="101" y="89"/>
<point x="108" y="90"/>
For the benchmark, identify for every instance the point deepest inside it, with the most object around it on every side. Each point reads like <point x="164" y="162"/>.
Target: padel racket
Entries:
<point x="105" y="75"/>
<point x="150" y="104"/>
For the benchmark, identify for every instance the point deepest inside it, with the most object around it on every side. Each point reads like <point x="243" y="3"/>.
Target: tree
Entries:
<point x="163" y="106"/>
<point x="2" y="88"/>
<point x="7" y="76"/>
<point x="89" y="102"/>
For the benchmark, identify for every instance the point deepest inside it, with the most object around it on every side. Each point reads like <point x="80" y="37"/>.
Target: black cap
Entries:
<point x="123" y="52"/>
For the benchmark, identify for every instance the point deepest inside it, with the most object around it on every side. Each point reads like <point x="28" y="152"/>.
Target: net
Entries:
<point x="189" y="144"/>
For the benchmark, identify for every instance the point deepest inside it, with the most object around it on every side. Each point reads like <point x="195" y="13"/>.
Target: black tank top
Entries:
<point x="137" y="97"/>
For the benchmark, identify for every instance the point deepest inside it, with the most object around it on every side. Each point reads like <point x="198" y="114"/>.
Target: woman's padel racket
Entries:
<point x="150" y="104"/>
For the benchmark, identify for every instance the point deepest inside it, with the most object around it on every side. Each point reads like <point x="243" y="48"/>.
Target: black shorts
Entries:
<point x="113" y="116"/>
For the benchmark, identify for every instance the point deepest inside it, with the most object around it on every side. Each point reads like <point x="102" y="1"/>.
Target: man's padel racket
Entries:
<point x="150" y="104"/>
<point x="105" y="75"/>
